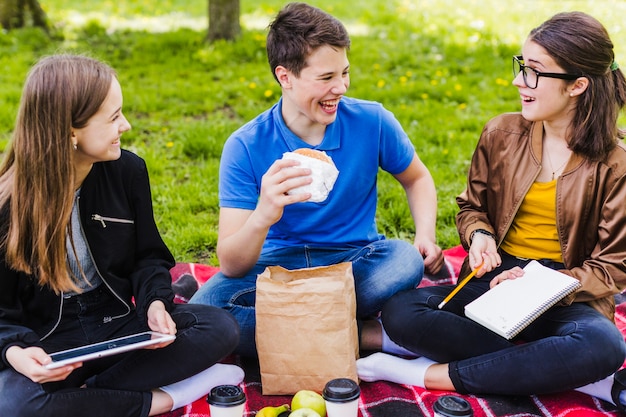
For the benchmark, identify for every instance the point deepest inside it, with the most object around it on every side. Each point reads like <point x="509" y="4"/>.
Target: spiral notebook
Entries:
<point x="510" y="306"/>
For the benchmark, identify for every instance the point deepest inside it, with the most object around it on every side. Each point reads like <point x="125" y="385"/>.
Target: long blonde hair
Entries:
<point x="61" y="92"/>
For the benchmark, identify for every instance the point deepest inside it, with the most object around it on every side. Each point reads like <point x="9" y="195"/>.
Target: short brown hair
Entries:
<point x="298" y="30"/>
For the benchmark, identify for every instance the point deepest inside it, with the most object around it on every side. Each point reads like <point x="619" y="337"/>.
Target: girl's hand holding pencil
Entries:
<point x="485" y="247"/>
<point x="460" y="285"/>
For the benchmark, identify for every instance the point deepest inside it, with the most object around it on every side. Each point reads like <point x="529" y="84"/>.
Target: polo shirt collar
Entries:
<point x="331" y="136"/>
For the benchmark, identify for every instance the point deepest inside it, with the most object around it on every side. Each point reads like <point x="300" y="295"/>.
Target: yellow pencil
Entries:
<point x="460" y="285"/>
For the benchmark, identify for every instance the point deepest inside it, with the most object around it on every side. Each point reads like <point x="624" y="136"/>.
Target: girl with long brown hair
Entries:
<point x="82" y="261"/>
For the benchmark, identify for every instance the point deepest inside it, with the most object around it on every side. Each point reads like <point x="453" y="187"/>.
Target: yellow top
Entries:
<point x="533" y="234"/>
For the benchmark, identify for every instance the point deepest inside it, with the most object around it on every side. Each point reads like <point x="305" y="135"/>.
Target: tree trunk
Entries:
<point x="38" y="15"/>
<point x="11" y="15"/>
<point x="223" y="20"/>
<point x="18" y="13"/>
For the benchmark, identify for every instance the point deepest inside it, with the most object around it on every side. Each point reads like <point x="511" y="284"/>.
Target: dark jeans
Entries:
<point x="119" y="385"/>
<point x="567" y="347"/>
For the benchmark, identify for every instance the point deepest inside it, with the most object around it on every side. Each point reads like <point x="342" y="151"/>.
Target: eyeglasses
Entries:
<point x="531" y="75"/>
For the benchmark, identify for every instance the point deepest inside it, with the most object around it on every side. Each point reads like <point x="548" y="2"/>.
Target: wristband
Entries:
<point x="482" y="232"/>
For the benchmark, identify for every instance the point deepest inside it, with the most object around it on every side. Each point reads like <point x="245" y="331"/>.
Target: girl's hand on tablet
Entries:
<point x="159" y="320"/>
<point x="31" y="362"/>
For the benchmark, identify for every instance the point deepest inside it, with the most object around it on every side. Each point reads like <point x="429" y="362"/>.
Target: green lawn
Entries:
<point x="443" y="67"/>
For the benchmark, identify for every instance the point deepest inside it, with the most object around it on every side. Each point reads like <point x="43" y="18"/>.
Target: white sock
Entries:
<point x="602" y="389"/>
<point x="381" y="366"/>
<point x="188" y="390"/>
<point x="389" y="346"/>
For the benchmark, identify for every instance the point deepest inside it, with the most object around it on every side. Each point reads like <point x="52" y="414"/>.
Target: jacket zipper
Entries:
<point x="103" y="219"/>
<point x="106" y="319"/>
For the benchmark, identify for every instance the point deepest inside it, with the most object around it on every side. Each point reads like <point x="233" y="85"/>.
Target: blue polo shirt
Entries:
<point x="363" y="138"/>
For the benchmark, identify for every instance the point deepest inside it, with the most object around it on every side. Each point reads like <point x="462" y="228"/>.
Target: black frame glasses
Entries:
<point x="518" y="66"/>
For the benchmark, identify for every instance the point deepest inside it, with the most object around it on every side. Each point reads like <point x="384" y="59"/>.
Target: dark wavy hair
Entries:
<point x="581" y="45"/>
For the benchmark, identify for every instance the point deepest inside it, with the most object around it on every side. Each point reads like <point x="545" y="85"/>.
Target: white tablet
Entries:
<point x="107" y="348"/>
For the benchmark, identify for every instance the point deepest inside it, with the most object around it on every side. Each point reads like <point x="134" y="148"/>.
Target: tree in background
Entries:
<point x="223" y="20"/>
<point x="223" y="17"/>
<point x="21" y="13"/>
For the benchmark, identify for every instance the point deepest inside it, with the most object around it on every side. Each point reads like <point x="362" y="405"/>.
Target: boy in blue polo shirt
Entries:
<point x="262" y="225"/>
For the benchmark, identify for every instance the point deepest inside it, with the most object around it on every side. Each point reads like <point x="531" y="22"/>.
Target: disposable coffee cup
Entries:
<point x="341" y="396"/>
<point x="452" y="406"/>
<point x="226" y="401"/>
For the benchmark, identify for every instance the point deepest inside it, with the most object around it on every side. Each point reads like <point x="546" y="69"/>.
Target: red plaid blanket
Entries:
<point x="383" y="399"/>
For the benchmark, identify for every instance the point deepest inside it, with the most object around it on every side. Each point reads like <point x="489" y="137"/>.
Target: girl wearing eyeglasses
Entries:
<point x="547" y="183"/>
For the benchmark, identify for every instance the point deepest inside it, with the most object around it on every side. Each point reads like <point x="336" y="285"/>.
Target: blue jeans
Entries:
<point x="381" y="269"/>
<point x="565" y="348"/>
<point x="119" y="385"/>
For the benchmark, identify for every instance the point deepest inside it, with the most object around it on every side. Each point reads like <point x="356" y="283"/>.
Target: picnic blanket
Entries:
<point x="385" y="399"/>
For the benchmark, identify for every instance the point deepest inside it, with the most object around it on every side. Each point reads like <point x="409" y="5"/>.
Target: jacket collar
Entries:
<point x="536" y="138"/>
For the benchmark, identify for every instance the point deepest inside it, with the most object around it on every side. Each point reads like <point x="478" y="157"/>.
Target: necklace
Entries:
<point x="554" y="171"/>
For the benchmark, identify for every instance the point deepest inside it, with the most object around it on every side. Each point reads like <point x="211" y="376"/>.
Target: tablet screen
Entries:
<point x="107" y="348"/>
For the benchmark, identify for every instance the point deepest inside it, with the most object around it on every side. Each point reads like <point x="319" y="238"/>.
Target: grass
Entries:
<point x="443" y="67"/>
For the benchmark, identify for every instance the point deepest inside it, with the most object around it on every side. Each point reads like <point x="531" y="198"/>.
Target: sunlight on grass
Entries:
<point x="443" y="67"/>
<point x="511" y="19"/>
<point x="74" y="20"/>
<point x="155" y="24"/>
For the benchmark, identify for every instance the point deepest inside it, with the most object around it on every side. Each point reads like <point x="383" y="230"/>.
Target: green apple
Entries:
<point x="304" y="412"/>
<point x="308" y="399"/>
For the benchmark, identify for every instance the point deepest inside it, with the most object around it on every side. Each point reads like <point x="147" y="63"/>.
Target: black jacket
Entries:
<point x="133" y="261"/>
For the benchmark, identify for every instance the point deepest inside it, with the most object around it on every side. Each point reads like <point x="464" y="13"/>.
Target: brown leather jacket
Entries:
<point x="590" y="206"/>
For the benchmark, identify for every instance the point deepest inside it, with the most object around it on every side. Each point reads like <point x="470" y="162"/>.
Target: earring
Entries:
<point x="570" y="94"/>
<point x="75" y="147"/>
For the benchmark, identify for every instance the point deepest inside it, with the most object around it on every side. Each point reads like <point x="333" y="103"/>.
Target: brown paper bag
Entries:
<point x="306" y="331"/>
